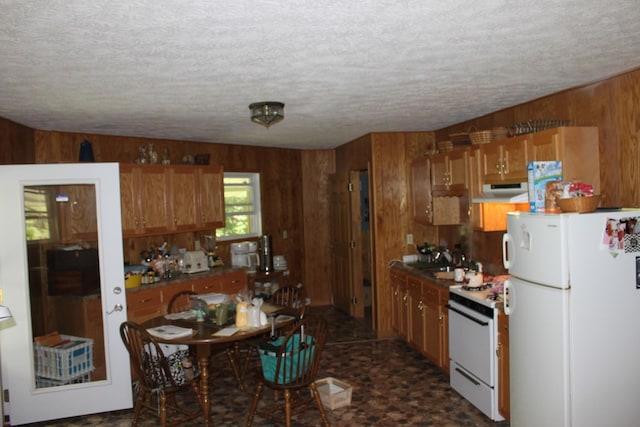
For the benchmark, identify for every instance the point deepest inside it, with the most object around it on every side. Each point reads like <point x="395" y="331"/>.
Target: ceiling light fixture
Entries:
<point x="267" y="113"/>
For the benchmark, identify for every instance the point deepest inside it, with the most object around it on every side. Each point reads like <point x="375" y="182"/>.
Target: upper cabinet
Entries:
<point x="421" y="190"/>
<point x="576" y="147"/>
<point x="158" y="199"/>
<point x="505" y="161"/>
<point x="449" y="173"/>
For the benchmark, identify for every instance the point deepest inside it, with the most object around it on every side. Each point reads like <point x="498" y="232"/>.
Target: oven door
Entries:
<point x="472" y="342"/>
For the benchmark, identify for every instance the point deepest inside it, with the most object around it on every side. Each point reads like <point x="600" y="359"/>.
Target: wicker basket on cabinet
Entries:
<point x="481" y="137"/>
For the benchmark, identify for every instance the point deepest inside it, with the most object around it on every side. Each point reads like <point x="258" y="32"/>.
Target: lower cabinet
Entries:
<point x="144" y="304"/>
<point x="426" y="316"/>
<point x="503" y="365"/>
<point x="399" y="302"/>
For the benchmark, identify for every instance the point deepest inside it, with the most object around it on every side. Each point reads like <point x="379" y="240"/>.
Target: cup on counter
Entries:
<point x="222" y="313"/>
<point x="458" y="274"/>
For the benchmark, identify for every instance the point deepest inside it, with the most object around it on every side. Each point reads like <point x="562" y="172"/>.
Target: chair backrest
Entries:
<point x="180" y="302"/>
<point x="295" y="359"/>
<point x="149" y="362"/>
<point x="291" y="297"/>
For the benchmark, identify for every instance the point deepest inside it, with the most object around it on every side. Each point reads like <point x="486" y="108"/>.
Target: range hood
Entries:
<point x="503" y="193"/>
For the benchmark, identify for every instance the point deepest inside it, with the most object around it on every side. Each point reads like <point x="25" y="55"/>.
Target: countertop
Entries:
<point x="427" y="275"/>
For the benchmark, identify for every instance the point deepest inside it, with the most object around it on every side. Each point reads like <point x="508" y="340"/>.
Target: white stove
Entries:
<point x="473" y="333"/>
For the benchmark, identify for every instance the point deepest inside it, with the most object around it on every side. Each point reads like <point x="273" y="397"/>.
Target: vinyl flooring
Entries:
<point x="392" y="385"/>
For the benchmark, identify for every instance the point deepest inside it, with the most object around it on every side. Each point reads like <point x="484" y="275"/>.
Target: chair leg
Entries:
<point x="254" y="403"/>
<point x="316" y="395"/>
<point x="138" y="407"/>
<point x="234" y="366"/>
<point x="163" y="410"/>
<point x="287" y="407"/>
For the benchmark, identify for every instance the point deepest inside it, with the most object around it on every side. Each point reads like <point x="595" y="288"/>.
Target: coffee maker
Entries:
<point x="244" y="254"/>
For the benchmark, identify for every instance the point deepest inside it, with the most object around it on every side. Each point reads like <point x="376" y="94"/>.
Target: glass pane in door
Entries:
<point x="64" y="284"/>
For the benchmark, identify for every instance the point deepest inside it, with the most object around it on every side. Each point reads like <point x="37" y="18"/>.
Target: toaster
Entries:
<point x="195" y="262"/>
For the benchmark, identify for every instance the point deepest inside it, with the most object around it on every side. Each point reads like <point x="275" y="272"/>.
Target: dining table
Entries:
<point x="208" y="338"/>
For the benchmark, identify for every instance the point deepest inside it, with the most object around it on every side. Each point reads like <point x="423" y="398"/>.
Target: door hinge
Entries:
<point x="354" y="301"/>
<point x="5" y="395"/>
<point x="352" y="244"/>
<point x="350" y="187"/>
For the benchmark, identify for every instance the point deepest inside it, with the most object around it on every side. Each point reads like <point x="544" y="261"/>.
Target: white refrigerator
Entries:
<point x="574" y="318"/>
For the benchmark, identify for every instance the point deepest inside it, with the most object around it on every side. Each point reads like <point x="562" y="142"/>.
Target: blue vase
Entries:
<point x="86" y="152"/>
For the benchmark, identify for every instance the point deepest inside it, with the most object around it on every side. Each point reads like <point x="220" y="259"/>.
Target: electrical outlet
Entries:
<point x="285" y="234"/>
<point x="409" y="239"/>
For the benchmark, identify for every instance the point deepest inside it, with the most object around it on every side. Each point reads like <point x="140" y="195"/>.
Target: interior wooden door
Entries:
<point x="347" y="245"/>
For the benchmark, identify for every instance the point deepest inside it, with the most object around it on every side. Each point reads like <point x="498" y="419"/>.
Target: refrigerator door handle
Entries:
<point x="509" y="298"/>
<point x="506" y="239"/>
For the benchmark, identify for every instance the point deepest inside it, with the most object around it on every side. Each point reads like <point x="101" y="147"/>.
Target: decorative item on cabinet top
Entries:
<point x="531" y="126"/>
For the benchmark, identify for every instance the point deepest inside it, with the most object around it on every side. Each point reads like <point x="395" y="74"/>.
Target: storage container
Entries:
<point x="334" y="393"/>
<point x="66" y="361"/>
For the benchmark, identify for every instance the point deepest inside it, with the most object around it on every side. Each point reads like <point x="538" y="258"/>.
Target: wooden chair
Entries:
<point x="182" y="302"/>
<point x="292" y="297"/>
<point x="291" y="366"/>
<point x="155" y="378"/>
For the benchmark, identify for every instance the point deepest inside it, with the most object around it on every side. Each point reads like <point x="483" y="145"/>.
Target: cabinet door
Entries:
<point x="184" y="204"/>
<point x="130" y="200"/>
<point x="154" y="199"/>
<point x="503" y="365"/>
<point x="444" y="330"/>
<point x="458" y="162"/>
<point x="211" y="197"/>
<point x="421" y="190"/>
<point x="440" y="173"/>
<point x="432" y="345"/>
<point x="416" y="307"/>
<point x="491" y="163"/>
<point x="515" y="158"/>
<point x="77" y="210"/>
<point x="398" y="312"/>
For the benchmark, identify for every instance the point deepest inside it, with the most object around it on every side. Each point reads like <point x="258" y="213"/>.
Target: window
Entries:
<point x="242" y="206"/>
<point x="36" y="211"/>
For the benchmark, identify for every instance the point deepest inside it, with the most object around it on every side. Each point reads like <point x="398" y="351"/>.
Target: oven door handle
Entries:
<point x="462" y="313"/>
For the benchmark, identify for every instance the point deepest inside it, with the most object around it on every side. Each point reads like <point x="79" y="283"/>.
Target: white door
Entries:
<point x="31" y="398"/>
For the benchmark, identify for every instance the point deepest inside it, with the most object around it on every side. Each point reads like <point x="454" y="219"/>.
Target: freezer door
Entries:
<point x="539" y="355"/>
<point x="534" y="248"/>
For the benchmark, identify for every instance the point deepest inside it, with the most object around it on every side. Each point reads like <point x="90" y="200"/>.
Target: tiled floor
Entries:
<point x="392" y="386"/>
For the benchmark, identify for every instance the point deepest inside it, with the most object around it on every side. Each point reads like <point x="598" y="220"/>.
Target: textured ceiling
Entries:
<point x="188" y="70"/>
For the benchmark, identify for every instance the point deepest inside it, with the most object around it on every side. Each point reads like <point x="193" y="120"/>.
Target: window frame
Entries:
<point x="256" y="216"/>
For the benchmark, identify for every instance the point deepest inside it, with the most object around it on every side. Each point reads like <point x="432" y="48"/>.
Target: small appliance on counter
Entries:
<point x="266" y="253"/>
<point x="244" y="254"/>
<point x="210" y="248"/>
<point x="195" y="262"/>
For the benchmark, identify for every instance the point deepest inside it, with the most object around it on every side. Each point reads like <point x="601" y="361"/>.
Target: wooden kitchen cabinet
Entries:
<point x="576" y="147"/>
<point x="158" y="199"/>
<point x="210" y="191"/>
<point x="503" y="365"/>
<point x="229" y="283"/>
<point x="399" y="302"/>
<point x="428" y="325"/>
<point x="505" y="161"/>
<point x="144" y="304"/>
<point x="78" y="218"/>
<point x="449" y="173"/>
<point x="421" y="190"/>
<point x="416" y="334"/>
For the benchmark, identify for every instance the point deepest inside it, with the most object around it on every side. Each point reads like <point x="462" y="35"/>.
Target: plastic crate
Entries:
<point x="67" y="361"/>
<point x="334" y="393"/>
<point x="42" y="382"/>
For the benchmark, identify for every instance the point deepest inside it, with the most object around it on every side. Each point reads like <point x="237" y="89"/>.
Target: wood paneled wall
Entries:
<point x="281" y="178"/>
<point x="16" y="143"/>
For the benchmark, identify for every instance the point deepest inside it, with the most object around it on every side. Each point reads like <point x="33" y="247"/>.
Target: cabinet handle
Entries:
<point x="498" y="350"/>
<point x="504" y="167"/>
<point x="175" y="220"/>
<point x="498" y="167"/>
<point x="395" y="293"/>
<point x="142" y="301"/>
<point x="421" y="307"/>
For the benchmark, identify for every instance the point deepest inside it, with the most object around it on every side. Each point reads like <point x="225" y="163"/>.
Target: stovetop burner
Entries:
<point x="482" y="287"/>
